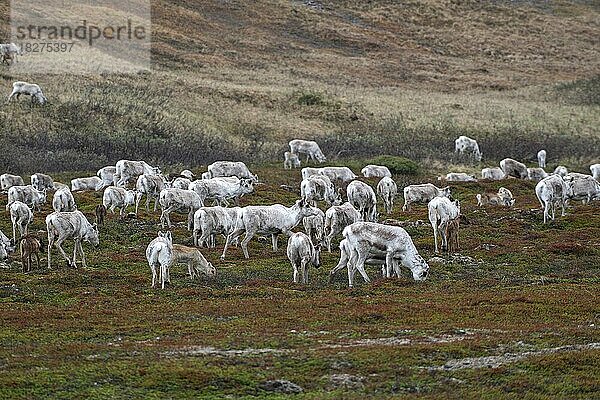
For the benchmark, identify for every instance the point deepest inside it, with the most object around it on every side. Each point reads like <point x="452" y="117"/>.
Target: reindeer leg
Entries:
<point x="80" y="247"/>
<point x="58" y="244"/>
<point x="153" y="268"/>
<point x="443" y="227"/>
<point x="230" y="238"/>
<point x="191" y="270"/>
<point x="360" y="263"/>
<point x="138" y="198"/>
<point x="29" y="262"/>
<point x="75" y="253"/>
<point x="195" y="237"/>
<point x="23" y="260"/>
<point x="50" y="244"/>
<point x="190" y="221"/>
<point x="303" y="269"/>
<point x="295" y="268"/>
<point x="245" y="242"/>
<point x="165" y="216"/>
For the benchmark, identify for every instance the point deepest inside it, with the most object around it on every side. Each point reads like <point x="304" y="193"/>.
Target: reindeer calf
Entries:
<point x="452" y="234"/>
<point x="100" y="214"/>
<point x="503" y="198"/>
<point x="195" y="261"/>
<point x="30" y="246"/>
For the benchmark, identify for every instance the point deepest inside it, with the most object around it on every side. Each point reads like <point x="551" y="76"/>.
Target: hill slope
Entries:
<point x="450" y="44"/>
<point x="236" y="79"/>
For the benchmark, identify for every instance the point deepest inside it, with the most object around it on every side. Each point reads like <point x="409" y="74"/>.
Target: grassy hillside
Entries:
<point x="239" y="79"/>
<point x="514" y="315"/>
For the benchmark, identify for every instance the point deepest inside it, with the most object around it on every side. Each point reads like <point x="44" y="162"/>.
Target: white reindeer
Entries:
<point x="363" y="198"/>
<point x="151" y="186"/>
<point x="290" y="160"/>
<point x="366" y="237"/>
<point x="541" y="156"/>
<point x="551" y="192"/>
<point x="441" y="211"/>
<point x="63" y="200"/>
<point x="126" y="170"/>
<point x="337" y="218"/>
<point x="107" y="175"/>
<point x="308" y="147"/>
<point x="20" y="216"/>
<point x="464" y="145"/>
<point x="314" y="226"/>
<point x="274" y="220"/>
<point x="159" y="254"/>
<point x="387" y="190"/>
<point x="301" y="252"/>
<point x="114" y="197"/>
<point x="179" y="200"/>
<point x="27" y="89"/>
<point x="211" y="221"/>
<point x="70" y="225"/>
<point x="28" y="195"/>
<point x="422" y="194"/>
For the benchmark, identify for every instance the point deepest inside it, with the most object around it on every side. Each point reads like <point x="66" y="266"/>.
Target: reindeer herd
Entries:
<point x="363" y="239"/>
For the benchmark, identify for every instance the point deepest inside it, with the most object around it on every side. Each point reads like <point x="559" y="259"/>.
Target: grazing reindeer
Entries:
<point x="195" y="261"/>
<point x="159" y="254"/>
<point x="30" y="246"/>
<point x="100" y="214"/>
<point x="452" y="235"/>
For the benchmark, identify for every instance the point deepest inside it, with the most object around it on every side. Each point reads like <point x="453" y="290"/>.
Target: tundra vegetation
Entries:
<point x="515" y="314"/>
<point x="517" y="287"/>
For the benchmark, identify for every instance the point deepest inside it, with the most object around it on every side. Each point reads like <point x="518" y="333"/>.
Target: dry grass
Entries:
<point x="229" y="75"/>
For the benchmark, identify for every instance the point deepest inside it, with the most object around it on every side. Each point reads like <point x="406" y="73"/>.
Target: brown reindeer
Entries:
<point x="452" y="234"/>
<point x="100" y="214"/>
<point x="30" y="246"/>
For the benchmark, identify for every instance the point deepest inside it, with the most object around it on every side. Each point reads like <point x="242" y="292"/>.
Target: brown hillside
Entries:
<point x="450" y="44"/>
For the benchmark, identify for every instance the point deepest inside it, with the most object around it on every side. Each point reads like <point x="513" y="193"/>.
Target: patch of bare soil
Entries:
<point x="507" y="358"/>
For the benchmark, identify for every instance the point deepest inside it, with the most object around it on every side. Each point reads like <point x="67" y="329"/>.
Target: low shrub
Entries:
<point x="396" y="165"/>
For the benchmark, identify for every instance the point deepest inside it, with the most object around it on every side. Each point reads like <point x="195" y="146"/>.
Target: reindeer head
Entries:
<point x="209" y="270"/>
<point x="246" y="185"/>
<point x="306" y="210"/>
<point x="167" y="236"/>
<point x="419" y="268"/>
<point x="92" y="235"/>
<point x="446" y="192"/>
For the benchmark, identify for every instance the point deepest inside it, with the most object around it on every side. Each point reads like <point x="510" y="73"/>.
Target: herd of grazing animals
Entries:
<point x="363" y="239"/>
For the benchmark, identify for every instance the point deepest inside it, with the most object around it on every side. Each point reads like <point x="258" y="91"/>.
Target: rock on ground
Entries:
<point x="281" y="386"/>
